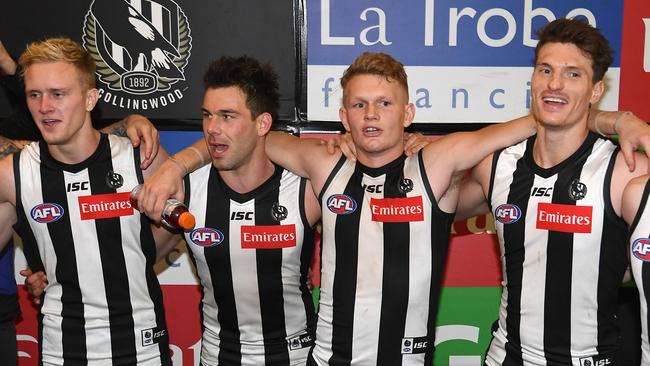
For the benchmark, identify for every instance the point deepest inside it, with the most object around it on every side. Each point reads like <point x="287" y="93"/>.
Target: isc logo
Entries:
<point x="46" y="212"/>
<point x="373" y="188"/>
<point x="341" y="204"/>
<point x="77" y="186"/>
<point x="541" y="192"/>
<point x="241" y="215"/>
<point x="206" y="237"/>
<point x="507" y="213"/>
<point x="641" y="249"/>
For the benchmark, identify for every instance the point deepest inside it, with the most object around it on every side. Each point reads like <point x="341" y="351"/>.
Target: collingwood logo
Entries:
<point x="141" y="48"/>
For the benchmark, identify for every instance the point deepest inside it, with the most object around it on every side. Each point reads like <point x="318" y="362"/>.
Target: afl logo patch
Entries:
<point x="46" y="213"/>
<point x="206" y="237"/>
<point x="507" y="213"/>
<point x="641" y="249"/>
<point x="341" y="204"/>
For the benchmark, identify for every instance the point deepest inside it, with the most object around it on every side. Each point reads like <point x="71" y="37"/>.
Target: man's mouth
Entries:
<point x="554" y="100"/>
<point x="50" y="122"/>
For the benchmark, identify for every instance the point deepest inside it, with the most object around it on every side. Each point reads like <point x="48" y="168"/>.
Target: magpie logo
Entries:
<point x="405" y="185"/>
<point x="141" y="48"/>
<point x="577" y="190"/>
<point x="114" y="180"/>
<point x="279" y="212"/>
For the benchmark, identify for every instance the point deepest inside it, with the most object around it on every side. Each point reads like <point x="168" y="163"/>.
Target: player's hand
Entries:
<point x="342" y="143"/>
<point x="140" y="130"/>
<point x="36" y="283"/>
<point x="414" y="142"/>
<point x="634" y="134"/>
<point x="164" y="183"/>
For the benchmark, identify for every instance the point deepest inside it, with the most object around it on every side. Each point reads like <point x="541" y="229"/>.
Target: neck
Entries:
<point x="379" y="159"/>
<point x="553" y="146"/>
<point x="250" y="175"/>
<point x="79" y="147"/>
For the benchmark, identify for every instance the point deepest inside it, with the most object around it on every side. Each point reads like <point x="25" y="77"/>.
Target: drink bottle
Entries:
<point x="175" y="214"/>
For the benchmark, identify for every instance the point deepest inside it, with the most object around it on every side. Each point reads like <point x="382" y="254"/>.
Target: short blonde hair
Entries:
<point x="376" y="63"/>
<point x="60" y="49"/>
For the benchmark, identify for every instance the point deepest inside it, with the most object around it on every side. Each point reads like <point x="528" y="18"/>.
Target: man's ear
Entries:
<point x="264" y="122"/>
<point x="597" y="92"/>
<point x="409" y="114"/>
<point x="343" y="116"/>
<point x="92" y="97"/>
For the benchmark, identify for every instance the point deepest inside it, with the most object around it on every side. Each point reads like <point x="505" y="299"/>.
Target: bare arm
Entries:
<point x="167" y="181"/>
<point x="454" y="153"/>
<point x="633" y="132"/>
<point x="139" y="130"/>
<point x="7" y="64"/>
<point x="472" y="200"/>
<point x="305" y="157"/>
<point x="632" y="198"/>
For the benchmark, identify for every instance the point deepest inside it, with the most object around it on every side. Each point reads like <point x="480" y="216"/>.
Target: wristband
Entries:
<point x="198" y="153"/>
<point x="597" y="127"/>
<point x="626" y="113"/>
<point x="180" y="164"/>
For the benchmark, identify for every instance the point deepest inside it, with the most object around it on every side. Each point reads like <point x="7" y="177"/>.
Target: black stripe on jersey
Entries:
<point x="495" y="160"/>
<point x="346" y="239"/>
<point x="559" y="270"/>
<point x="116" y="279"/>
<point x="305" y="261"/>
<point x="73" y="323"/>
<point x="440" y="232"/>
<point x="613" y="263"/>
<point x="514" y="235"/>
<point x="148" y="246"/>
<point x="217" y="216"/>
<point x="22" y="227"/>
<point x="643" y="205"/>
<point x="269" y="282"/>
<point x="394" y="299"/>
<point x="329" y="179"/>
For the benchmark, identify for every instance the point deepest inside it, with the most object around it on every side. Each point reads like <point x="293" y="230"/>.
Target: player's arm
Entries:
<point x="167" y="180"/>
<point x="632" y="198"/>
<point x="456" y="152"/>
<point x="633" y="132"/>
<point x="463" y="150"/>
<point x="307" y="158"/>
<point x="7" y="199"/>
<point x="472" y="200"/>
<point x="141" y="132"/>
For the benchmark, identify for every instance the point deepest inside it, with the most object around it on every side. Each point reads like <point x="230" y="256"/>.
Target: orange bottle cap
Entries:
<point x="186" y="221"/>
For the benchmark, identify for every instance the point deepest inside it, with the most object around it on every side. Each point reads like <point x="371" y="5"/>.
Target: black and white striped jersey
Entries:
<point x="639" y="261"/>
<point x="563" y="257"/>
<point x="383" y="253"/>
<point x="103" y="301"/>
<point x="252" y="252"/>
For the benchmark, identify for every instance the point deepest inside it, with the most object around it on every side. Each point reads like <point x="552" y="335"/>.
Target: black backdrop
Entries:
<point x="271" y="31"/>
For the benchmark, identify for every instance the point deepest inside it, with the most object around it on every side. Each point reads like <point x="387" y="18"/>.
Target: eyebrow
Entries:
<point x="220" y="111"/>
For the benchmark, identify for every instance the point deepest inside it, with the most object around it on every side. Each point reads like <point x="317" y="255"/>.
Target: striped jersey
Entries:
<point x="383" y="253"/>
<point x="103" y="301"/>
<point x="639" y="261"/>
<point x="252" y="252"/>
<point x="563" y="257"/>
